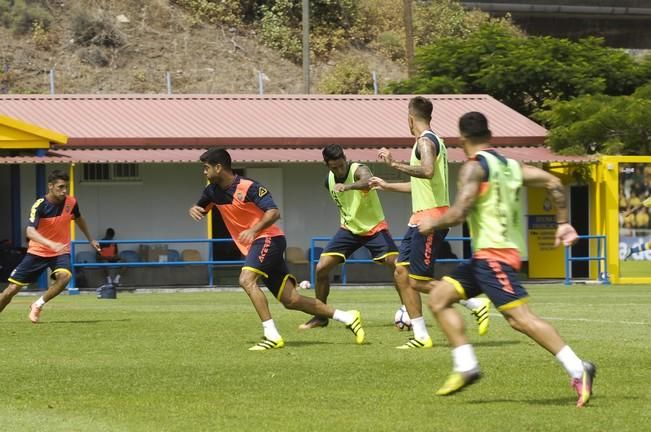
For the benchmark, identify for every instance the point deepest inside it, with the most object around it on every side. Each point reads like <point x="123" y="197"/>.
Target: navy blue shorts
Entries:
<point x="494" y="278"/>
<point x="420" y="252"/>
<point x="267" y="258"/>
<point x="344" y="243"/>
<point x="31" y="267"/>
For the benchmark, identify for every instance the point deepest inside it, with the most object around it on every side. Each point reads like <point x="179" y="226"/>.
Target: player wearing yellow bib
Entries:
<point x="488" y="196"/>
<point x="644" y="246"/>
<point x="428" y="185"/>
<point x="362" y="223"/>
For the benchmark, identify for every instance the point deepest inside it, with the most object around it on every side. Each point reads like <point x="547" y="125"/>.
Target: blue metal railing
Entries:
<point x="210" y="262"/>
<point x="602" y="256"/>
<point x="313" y="260"/>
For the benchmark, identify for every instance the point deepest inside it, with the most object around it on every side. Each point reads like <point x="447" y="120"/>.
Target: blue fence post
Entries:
<point x="606" y="276"/>
<point x="210" y="258"/>
<point x="72" y="285"/>
<point x="312" y="278"/>
<point x="567" y="265"/>
<point x="598" y="261"/>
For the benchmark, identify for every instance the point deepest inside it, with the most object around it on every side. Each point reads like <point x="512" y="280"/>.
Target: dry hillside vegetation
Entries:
<point x="127" y="46"/>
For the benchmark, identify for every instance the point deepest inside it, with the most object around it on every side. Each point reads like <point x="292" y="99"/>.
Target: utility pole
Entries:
<point x="306" y="46"/>
<point x="409" y="33"/>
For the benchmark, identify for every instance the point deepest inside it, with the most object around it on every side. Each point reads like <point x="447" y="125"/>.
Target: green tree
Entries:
<point x="520" y="71"/>
<point x="330" y="24"/>
<point x="600" y="123"/>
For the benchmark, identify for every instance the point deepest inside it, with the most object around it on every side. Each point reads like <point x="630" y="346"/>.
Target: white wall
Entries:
<point x="5" y="202"/>
<point x="27" y="195"/>
<point x="157" y="206"/>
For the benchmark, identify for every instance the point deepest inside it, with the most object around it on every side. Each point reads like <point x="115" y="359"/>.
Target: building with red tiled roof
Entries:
<point x="134" y="158"/>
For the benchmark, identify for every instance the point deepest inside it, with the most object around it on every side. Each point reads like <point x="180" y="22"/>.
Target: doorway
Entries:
<point x="580" y="220"/>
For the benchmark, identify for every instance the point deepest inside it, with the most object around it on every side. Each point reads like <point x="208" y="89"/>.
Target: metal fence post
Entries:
<point x="567" y="265"/>
<point x="312" y="278"/>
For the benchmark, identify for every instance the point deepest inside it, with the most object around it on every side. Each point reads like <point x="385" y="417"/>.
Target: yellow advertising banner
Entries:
<point x="545" y="261"/>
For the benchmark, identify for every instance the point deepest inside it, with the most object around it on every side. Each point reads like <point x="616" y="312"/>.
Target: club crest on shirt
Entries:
<point x="262" y="192"/>
<point x="239" y="196"/>
<point x="67" y="208"/>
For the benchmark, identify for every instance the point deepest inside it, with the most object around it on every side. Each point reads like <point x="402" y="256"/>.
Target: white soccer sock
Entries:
<point x="40" y="302"/>
<point x="108" y="280"/>
<point x="270" y="331"/>
<point x="464" y="359"/>
<point x="116" y="279"/>
<point x="472" y="303"/>
<point x="418" y="326"/>
<point x="570" y="361"/>
<point x="343" y="317"/>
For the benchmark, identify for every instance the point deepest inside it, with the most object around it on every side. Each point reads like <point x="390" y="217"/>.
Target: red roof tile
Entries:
<point x="253" y="155"/>
<point x="129" y="121"/>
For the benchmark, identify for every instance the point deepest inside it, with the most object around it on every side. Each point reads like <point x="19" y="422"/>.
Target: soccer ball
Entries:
<point x="305" y="284"/>
<point x="401" y="319"/>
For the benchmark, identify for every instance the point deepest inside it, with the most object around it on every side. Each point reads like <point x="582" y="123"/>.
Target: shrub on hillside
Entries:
<point x="350" y="76"/>
<point x="227" y="12"/>
<point x="20" y="16"/>
<point x="97" y="30"/>
<point x="42" y="38"/>
<point x="391" y="44"/>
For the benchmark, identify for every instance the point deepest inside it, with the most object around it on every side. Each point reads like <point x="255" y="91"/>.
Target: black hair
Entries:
<point x="110" y="233"/>
<point x="421" y="107"/>
<point x="333" y="152"/>
<point x="216" y="156"/>
<point x="474" y="125"/>
<point x="57" y="175"/>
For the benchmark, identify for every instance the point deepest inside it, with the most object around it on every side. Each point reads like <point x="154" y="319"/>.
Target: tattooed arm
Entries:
<point x="470" y="178"/>
<point x="535" y="177"/>
<point x="362" y="177"/>
<point x="427" y="157"/>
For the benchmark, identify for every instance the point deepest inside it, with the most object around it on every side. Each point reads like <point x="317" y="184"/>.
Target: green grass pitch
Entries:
<point x="635" y="268"/>
<point x="179" y="362"/>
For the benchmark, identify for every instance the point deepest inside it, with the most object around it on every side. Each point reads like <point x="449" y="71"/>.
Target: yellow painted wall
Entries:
<point x="545" y="261"/>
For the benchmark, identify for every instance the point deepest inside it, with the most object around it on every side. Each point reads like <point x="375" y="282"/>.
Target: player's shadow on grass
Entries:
<point x="296" y="343"/>
<point x="84" y="321"/>
<point x="561" y="401"/>
<point x="497" y="343"/>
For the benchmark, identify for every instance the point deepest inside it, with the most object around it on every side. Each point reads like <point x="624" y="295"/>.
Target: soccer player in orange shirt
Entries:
<point x="48" y="232"/>
<point x="249" y="213"/>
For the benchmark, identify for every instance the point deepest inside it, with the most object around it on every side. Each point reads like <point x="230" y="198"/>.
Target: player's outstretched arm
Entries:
<point x="362" y="176"/>
<point x="427" y="157"/>
<point x="643" y="204"/>
<point x="81" y="223"/>
<point x="376" y="183"/>
<point x="470" y="178"/>
<point x="535" y="177"/>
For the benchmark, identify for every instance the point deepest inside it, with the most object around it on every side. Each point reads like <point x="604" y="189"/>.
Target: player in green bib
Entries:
<point x="428" y="185"/>
<point x="362" y="223"/>
<point x="488" y="198"/>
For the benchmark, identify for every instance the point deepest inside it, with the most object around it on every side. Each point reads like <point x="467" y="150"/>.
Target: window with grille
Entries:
<point x="119" y="172"/>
